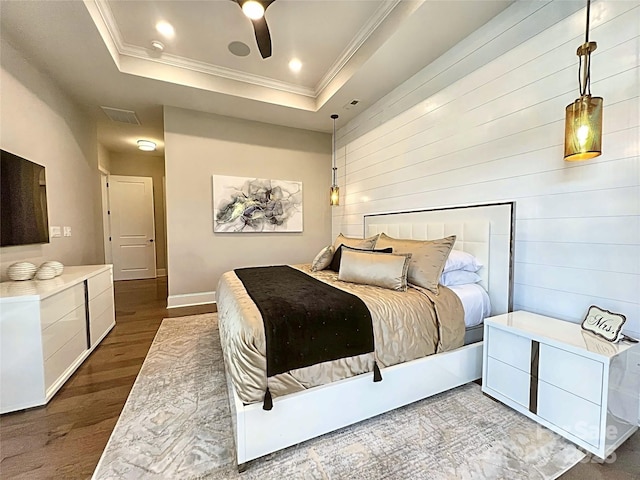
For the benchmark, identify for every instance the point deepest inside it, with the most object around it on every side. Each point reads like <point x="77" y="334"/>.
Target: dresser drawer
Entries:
<point x="100" y="303"/>
<point x="100" y="323"/>
<point x="59" y="333"/>
<point x="509" y="348"/>
<point x="508" y="381"/>
<point x="61" y="360"/>
<point x="57" y="306"/>
<point x="571" y="372"/>
<point x="99" y="283"/>
<point x="569" y="412"/>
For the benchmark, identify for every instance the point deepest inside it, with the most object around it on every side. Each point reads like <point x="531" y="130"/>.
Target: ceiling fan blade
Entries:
<point x="263" y="37"/>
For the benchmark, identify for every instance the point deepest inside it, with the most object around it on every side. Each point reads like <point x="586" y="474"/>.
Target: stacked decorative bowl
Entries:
<point x="27" y="271"/>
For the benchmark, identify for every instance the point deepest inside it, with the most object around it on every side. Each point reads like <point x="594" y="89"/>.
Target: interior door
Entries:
<point x="132" y="227"/>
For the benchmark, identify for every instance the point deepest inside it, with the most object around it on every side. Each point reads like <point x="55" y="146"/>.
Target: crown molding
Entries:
<point x="361" y="37"/>
<point x="206" y="68"/>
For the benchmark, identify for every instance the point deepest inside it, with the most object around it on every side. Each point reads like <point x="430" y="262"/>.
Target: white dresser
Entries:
<point x="576" y="384"/>
<point x="48" y="328"/>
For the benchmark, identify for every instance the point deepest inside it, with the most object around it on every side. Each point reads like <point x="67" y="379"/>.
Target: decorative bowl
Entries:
<point x="21" y="271"/>
<point x="45" y="273"/>
<point x="57" y="266"/>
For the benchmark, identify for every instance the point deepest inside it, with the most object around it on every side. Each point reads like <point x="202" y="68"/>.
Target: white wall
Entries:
<point x="198" y="146"/>
<point x="486" y="128"/>
<point x="41" y="124"/>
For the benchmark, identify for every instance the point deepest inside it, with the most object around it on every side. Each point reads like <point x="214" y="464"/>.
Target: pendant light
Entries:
<point x="334" y="198"/>
<point x="583" y="120"/>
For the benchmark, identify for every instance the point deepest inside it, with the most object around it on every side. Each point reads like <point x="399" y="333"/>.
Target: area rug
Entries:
<point x="176" y="424"/>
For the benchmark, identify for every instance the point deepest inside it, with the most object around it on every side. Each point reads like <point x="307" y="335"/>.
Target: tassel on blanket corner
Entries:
<point x="268" y="402"/>
<point x="377" y="376"/>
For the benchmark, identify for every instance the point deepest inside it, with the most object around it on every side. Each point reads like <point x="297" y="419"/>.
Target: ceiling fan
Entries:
<point x="254" y="9"/>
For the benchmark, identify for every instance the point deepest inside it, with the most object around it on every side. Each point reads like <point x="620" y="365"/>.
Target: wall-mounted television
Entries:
<point x="23" y="202"/>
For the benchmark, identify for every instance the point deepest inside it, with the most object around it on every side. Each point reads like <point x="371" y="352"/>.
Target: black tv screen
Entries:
<point x="23" y="202"/>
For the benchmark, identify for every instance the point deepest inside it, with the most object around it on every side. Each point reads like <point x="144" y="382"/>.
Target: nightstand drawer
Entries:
<point x="571" y="372"/>
<point x="572" y="414"/>
<point x="509" y="348"/>
<point x="508" y="381"/>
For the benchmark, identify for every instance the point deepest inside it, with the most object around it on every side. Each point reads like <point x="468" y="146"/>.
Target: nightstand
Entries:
<point x="572" y="382"/>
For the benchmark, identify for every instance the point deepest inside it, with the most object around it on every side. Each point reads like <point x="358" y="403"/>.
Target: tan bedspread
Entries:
<point x="406" y="325"/>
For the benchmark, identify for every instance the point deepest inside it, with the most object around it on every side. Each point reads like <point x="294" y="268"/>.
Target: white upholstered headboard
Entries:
<point x="485" y="231"/>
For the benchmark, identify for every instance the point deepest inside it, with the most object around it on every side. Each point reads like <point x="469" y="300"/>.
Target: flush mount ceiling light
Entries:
<point x="146" y="145"/>
<point x="334" y="196"/>
<point x="165" y="29"/>
<point x="583" y="118"/>
<point x="295" y="65"/>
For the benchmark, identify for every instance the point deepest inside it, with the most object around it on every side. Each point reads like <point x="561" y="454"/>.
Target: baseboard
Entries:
<point x="191" y="299"/>
<point x="161" y="272"/>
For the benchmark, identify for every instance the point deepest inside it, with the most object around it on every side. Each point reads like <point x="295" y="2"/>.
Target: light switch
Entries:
<point x="55" y="232"/>
<point x="67" y="231"/>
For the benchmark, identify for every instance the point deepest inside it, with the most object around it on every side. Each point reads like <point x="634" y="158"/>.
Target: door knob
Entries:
<point x="151" y="239"/>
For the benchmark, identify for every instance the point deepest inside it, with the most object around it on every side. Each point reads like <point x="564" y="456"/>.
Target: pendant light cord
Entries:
<point x="333" y="151"/>
<point x="585" y="82"/>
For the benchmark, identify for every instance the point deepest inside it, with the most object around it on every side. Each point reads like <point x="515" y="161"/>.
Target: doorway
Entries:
<point x="132" y="222"/>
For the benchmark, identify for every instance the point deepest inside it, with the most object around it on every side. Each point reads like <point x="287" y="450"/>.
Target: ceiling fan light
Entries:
<point x="253" y="9"/>
<point x="146" y="145"/>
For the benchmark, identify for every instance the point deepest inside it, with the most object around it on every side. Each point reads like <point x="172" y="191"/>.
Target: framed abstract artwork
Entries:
<point x="244" y="204"/>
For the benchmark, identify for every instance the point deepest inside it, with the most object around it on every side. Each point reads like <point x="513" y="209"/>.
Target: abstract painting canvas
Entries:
<point x="242" y="204"/>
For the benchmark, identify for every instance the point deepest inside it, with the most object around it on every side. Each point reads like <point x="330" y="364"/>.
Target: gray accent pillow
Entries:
<point x="323" y="259"/>
<point x="386" y="270"/>
<point x="363" y="243"/>
<point x="427" y="260"/>
<point x="337" y="255"/>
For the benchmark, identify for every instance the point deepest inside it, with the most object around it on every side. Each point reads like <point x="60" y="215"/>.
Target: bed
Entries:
<point x="320" y="402"/>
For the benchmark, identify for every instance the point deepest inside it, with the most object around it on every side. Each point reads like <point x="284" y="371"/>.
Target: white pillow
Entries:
<point x="459" y="260"/>
<point x="323" y="259"/>
<point x="459" y="277"/>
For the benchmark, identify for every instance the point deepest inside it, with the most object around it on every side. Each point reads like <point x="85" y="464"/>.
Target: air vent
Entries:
<point x="122" y="116"/>
<point x="351" y="104"/>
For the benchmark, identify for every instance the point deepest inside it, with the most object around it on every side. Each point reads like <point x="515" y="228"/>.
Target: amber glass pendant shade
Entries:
<point x="583" y="129"/>
<point x="334" y="198"/>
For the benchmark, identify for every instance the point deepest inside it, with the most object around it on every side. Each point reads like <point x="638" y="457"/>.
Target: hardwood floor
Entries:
<point x="65" y="438"/>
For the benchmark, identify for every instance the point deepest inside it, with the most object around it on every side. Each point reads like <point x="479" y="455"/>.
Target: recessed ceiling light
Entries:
<point x="253" y="9"/>
<point x="295" y="65"/>
<point x="239" y="49"/>
<point x="157" y="45"/>
<point x="165" y="29"/>
<point x="146" y="145"/>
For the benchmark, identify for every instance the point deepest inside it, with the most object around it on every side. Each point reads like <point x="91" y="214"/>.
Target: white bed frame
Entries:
<point x="486" y="231"/>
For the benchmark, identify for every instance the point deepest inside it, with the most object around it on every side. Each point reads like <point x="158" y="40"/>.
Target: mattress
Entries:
<point x="475" y="301"/>
<point x="407" y="325"/>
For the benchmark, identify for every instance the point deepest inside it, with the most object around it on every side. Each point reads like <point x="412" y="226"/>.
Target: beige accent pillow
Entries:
<point x="427" y="260"/>
<point x="386" y="270"/>
<point x="323" y="259"/>
<point x="362" y="243"/>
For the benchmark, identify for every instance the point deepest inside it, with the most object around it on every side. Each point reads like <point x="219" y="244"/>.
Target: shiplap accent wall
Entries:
<point x="485" y="128"/>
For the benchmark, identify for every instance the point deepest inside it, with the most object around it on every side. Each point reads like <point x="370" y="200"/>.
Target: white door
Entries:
<point x="106" y="225"/>
<point x="132" y="227"/>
